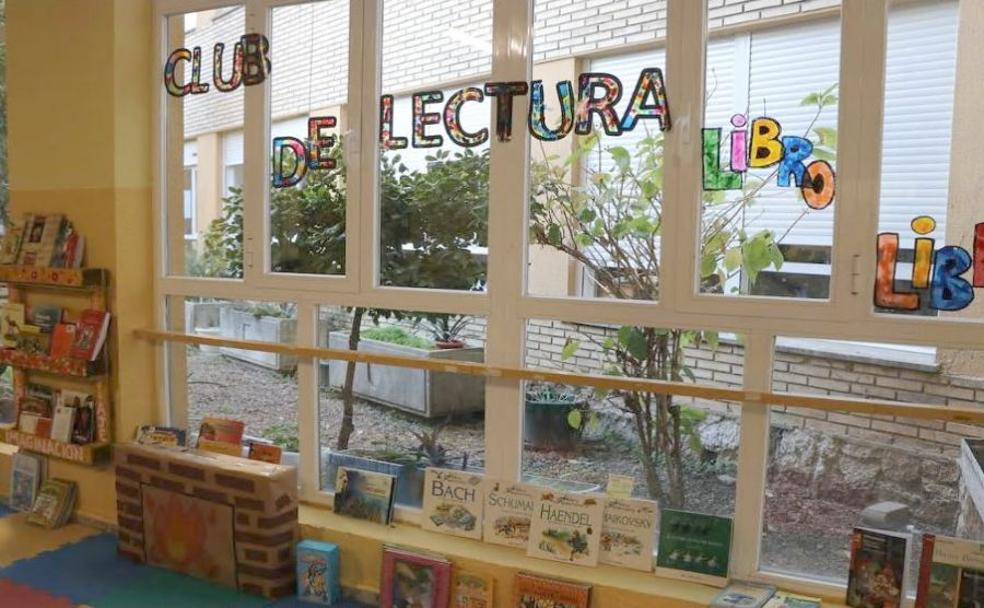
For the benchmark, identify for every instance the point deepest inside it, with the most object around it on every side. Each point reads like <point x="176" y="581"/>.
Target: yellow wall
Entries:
<point x="79" y="138"/>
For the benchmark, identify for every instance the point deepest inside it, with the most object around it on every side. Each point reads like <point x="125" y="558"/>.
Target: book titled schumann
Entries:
<point x="532" y="591"/>
<point x="508" y="511"/>
<point x="566" y="527"/>
<point x="453" y="502"/>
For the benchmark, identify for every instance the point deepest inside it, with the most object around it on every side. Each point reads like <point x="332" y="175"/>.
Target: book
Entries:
<point x="90" y="334"/>
<point x="33" y="341"/>
<point x="566" y="527"/>
<point x="11" y="322"/>
<point x="694" y="546"/>
<point x="38" y="399"/>
<point x="265" y="452"/>
<point x="221" y="435"/>
<point x="84" y="425"/>
<point x="27" y="422"/>
<point x="57" y="259"/>
<point x="31" y="240"/>
<point x="414" y="579"/>
<point x="453" y="502"/>
<point x="876" y="578"/>
<point x="471" y="590"/>
<point x="364" y="495"/>
<point x="54" y="226"/>
<point x="26" y="471"/>
<point x="951" y="573"/>
<point x="54" y="504"/>
<point x="743" y="595"/>
<point x="160" y="435"/>
<point x="11" y="243"/>
<point x="46" y="316"/>
<point x="62" y="340"/>
<point x="317" y="572"/>
<point x="74" y="248"/>
<point x="43" y="427"/>
<point x="63" y="423"/>
<point x="531" y="591"/>
<point x="508" y="512"/>
<point x="628" y="533"/>
<point x="790" y="600"/>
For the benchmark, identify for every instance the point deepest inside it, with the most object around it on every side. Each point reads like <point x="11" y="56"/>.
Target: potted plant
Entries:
<point x="446" y="329"/>
<point x="555" y="417"/>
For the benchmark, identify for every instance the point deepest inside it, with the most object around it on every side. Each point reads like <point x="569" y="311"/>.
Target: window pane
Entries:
<point x="770" y="143"/>
<point x="309" y="58"/>
<point x="402" y="419"/>
<point x="433" y="179"/>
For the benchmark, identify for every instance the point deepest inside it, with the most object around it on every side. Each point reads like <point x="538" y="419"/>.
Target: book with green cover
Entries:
<point x="54" y="504"/>
<point x="694" y="546"/>
<point x="951" y="573"/>
<point x="364" y="495"/>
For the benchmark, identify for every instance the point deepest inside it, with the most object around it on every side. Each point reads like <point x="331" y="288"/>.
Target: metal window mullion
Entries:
<point x="256" y="131"/>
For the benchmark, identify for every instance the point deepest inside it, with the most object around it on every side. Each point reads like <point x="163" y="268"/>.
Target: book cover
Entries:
<point x="694" y="546"/>
<point x="876" y="578"/>
<point x="25" y="479"/>
<point x="566" y="527"/>
<point x="46" y="316"/>
<point x="60" y="252"/>
<point x="508" y="512"/>
<point x="63" y="423"/>
<point x="790" y="600"/>
<point x="27" y="422"/>
<point x="412" y="579"/>
<point x="11" y="243"/>
<point x="32" y="239"/>
<point x="531" y="591"/>
<point x="160" y="435"/>
<point x="221" y="435"/>
<point x="33" y="341"/>
<point x="951" y="573"/>
<point x="84" y="429"/>
<point x="11" y="322"/>
<point x="43" y="427"/>
<point x="743" y="595"/>
<point x="39" y="399"/>
<point x="265" y="452"/>
<point x="53" y="227"/>
<point x="317" y="572"/>
<point x="628" y="533"/>
<point x="364" y="495"/>
<point x="62" y="340"/>
<point x="472" y="590"/>
<point x="54" y="503"/>
<point x="453" y="502"/>
<point x="90" y="334"/>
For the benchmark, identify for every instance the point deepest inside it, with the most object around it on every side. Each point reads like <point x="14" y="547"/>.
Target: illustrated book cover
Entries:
<point x="791" y="600"/>
<point x="90" y="335"/>
<point x="453" y="502"/>
<point x="221" y="435"/>
<point x="566" y="527"/>
<point x="364" y="495"/>
<point x="84" y="428"/>
<point x="265" y="452"/>
<point x="471" y="590"/>
<point x="32" y="240"/>
<point x="877" y="577"/>
<point x="54" y="503"/>
<point x="694" y="546"/>
<point x="743" y="595"/>
<point x="63" y="423"/>
<point x="26" y="470"/>
<point x="951" y="573"/>
<point x="46" y="316"/>
<point x="11" y="322"/>
<point x="413" y="579"/>
<point x="628" y="533"/>
<point x="317" y="572"/>
<point x="11" y="243"/>
<point x="62" y="340"/>
<point x="508" y="512"/>
<point x="160" y="435"/>
<point x="531" y="591"/>
<point x="32" y="341"/>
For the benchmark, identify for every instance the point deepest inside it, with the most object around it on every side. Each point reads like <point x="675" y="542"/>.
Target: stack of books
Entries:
<point x="46" y="330"/>
<point x="42" y="240"/>
<point x="54" y="504"/>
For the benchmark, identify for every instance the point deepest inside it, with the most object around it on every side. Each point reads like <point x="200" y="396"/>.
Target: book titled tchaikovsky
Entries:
<point x="530" y="591"/>
<point x="508" y="511"/>
<point x="951" y="573"/>
<point x="566" y="527"/>
<point x="628" y="532"/>
<point x="453" y="502"/>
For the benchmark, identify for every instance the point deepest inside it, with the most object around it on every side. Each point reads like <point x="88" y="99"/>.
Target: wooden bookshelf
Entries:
<point x="89" y="453"/>
<point x="62" y="366"/>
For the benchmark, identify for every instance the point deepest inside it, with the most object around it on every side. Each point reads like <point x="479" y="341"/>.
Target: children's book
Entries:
<point x="84" y="429"/>
<point x="317" y="572"/>
<point x="90" y="334"/>
<point x="54" y="504"/>
<point x="39" y="399"/>
<point x="628" y="533"/>
<point x="46" y="316"/>
<point x="160" y="435"/>
<point x="566" y="527"/>
<point x="54" y="226"/>
<point x="221" y="435"/>
<point x="743" y="595"/>
<point x="951" y="573"/>
<point x="453" y="502"/>
<point x="33" y="341"/>
<point x="27" y="422"/>
<point x="62" y="340"/>
<point x="31" y="240"/>
<point x="508" y="511"/>
<point x="790" y="600"/>
<point x="694" y="546"/>
<point x="265" y="452"/>
<point x="42" y="427"/>
<point x="63" y="423"/>
<point x="26" y="471"/>
<point x="11" y="322"/>
<point x="471" y="590"/>
<point x="364" y="495"/>
<point x="413" y="579"/>
<point x="877" y="576"/>
<point x="531" y="591"/>
<point x="11" y="243"/>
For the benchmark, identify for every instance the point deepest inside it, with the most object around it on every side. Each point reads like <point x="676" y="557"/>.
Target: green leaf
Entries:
<point x="732" y="258"/>
<point x="823" y="154"/>
<point x="621" y="157"/>
<point x="570" y="347"/>
<point x="583" y="240"/>
<point x="634" y="341"/>
<point x="712" y="339"/>
<point x="708" y="264"/>
<point x="554" y="236"/>
<point x="827" y="135"/>
<point x="574" y="418"/>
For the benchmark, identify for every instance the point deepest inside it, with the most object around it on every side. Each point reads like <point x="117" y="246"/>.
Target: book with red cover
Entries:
<point x="414" y="579"/>
<point x="265" y="452"/>
<point x="221" y="435"/>
<point x="532" y="590"/>
<point x="90" y="334"/>
<point x="62" y="340"/>
<point x="43" y="427"/>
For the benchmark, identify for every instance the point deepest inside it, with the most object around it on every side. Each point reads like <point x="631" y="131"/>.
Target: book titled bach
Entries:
<point x="508" y="511"/>
<point x="453" y="502"/>
<point x="628" y="532"/>
<point x="532" y="591"/>
<point x="878" y="564"/>
<point x="364" y="495"/>
<point x="566" y="527"/>
<point x="951" y="573"/>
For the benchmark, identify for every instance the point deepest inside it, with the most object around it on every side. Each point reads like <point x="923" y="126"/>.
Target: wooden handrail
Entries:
<point x="922" y="411"/>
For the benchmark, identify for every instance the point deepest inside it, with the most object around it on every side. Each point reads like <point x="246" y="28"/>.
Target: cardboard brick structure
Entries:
<point x="228" y="520"/>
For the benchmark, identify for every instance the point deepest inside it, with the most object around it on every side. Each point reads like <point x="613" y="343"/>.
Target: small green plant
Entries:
<point x="391" y="334"/>
<point x="445" y="327"/>
<point x="284" y="435"/>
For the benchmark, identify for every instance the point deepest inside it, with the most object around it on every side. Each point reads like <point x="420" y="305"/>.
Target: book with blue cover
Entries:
<point x="317" y="572"/>
<point x="364" y="495"/>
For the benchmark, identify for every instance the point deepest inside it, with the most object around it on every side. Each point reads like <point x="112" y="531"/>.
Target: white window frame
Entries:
<point x="507" y="305"/>
<point x="192" y="233"/>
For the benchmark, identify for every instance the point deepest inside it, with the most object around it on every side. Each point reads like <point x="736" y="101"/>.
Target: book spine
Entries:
<point x="925" y="567"/>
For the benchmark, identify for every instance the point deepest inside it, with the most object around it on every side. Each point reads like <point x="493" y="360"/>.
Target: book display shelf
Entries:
<point x="91" y="284"/>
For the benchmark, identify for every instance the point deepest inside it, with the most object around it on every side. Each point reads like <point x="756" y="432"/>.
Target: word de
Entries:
<point x="767" y="147"/>
<point x="939" y="271"/>
<point x="311" y="154"/>
<point x="250" y="65"/>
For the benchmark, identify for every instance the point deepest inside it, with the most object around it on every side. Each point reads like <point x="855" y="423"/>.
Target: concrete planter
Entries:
<point x="421" y="392"/>
<point x="203" y="315"/>
<point x="244" y="325"/>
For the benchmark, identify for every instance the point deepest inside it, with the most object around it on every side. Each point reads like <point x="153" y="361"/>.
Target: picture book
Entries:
<point x="790" y="600"/>
<point x="54" y="503"/>
<point x="39" y="399"/>
<point x="84" y="428"/>
<point x="221" y="435"/>
<point x="566" y="527"/>
<point x="508" y="511"/>
<point x="531" y="591"/>
<point x="90" y="334"/>
<point x="33" y="341"/>
<point x="364" y="495"/>
<point x="265" y="452"/>
<point x="743" y="595"/>
<point x="317" y="572"/>
<point x="74" y="249"/>
<point x="413" y="579"/>
<point x="878" y="563"/>
<point x="628" y="533"/>
<point x="27" y="422"/>
<point x="8" y="413"/>
<point x="453" y="502"/>
<point x="42" y="427"/>
<point x="63" y="423"/>
<point x="62" y="340"/>
<point x="11" y="243"/>
<point x="471" y="590"/>
<point x="26" y="471"/>
<point x="694" y="546"/>
<point x="46" y="316"/>
<point x="951" y="573"/>
<point x="160" y="435"/>
<point x="11" y="322"/>
<point x="31" y="240"/>
<point x="53" y="228"/>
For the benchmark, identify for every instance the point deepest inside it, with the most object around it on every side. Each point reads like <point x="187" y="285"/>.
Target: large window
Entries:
<point x="548" y="185"/>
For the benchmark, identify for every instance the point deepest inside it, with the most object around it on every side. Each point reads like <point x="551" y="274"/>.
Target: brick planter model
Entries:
<point x="227" y="520"/>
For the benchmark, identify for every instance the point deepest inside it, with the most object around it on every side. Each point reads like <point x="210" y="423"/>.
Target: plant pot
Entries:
<point x="448" y="344"/>
<point x="546" y="428"/>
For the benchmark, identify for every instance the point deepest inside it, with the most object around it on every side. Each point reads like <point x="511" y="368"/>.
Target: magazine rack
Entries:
<point x="90" y="283"/>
